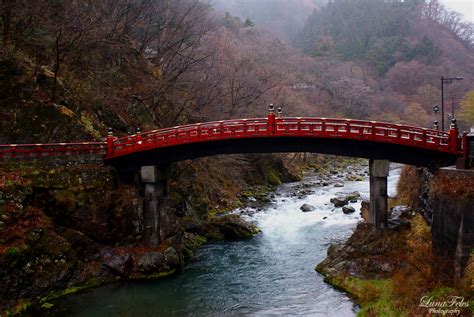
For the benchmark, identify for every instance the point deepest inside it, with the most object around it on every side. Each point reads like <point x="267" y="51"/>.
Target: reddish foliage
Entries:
<point x="456" y="185"/>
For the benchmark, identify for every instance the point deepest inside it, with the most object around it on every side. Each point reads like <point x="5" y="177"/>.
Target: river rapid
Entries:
<point x="271" y="274"/>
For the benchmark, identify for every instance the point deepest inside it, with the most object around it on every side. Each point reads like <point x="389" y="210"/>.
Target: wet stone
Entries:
<point x="339" y="201"/>
<point x="172" y="258"/>
<point x="348" y="209"/>
<point x="307" y="208"/>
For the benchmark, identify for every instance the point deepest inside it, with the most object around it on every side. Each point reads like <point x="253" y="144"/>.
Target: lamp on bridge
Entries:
<point x="445" y="81"/>
<point x="279" y="112"/>
<point x="435" y="125"/>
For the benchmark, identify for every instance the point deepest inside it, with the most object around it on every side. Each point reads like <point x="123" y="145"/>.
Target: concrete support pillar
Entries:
<point x="156" y="187"/>
<point x="378" y="193"/>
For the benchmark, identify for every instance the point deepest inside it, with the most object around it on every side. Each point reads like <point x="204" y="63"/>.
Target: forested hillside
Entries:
<point x="405" y="46"/>
<point x="71" y="69"/>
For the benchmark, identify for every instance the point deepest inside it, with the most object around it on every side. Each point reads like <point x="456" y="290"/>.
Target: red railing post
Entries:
<point x="138" y="139"/>
<point x="110" y="143"/>
<point x="453" y="139"/>
<point x="271" y="121"/>
<point x="423" y="136"/>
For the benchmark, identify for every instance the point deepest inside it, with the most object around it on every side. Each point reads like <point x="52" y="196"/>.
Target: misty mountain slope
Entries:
<point x="403" y="48"/>
<point x="285" y="18"/>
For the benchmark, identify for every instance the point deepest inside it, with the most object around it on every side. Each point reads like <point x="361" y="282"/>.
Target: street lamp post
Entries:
<point x="445" y="81"/>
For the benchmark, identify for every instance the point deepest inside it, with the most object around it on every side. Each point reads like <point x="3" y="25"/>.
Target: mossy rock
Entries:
<point x="191" y="243"/>
<point x="272" y="178"/>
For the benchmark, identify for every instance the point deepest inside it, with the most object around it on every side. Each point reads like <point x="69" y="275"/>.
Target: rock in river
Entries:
<point x="339" y="201"/>
<point x="307" y="208"/>
<point x="348" y="209"/>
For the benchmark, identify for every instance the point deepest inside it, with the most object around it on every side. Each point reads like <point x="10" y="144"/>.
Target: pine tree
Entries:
<point x="248" y="23"/>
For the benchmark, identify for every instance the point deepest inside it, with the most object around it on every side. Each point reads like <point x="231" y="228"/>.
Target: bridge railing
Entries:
<point x="364" y="130"/>
<point x="287" y="127"/>
<point x="191" y="133"/>
<point x="25" y="151"/>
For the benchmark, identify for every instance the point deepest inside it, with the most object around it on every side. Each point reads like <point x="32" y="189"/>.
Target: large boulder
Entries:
<point x="119" y="265"/>
<point x="344" y="199"/>
<point x="307" y="208"/>
<point x="172" y="258"/>
<point x="353" y="196"/>
<point x="348" y="209"/>
<point x="233" y="227"/>
<point x="339" y="201"/>
<point x="151" y="262"/>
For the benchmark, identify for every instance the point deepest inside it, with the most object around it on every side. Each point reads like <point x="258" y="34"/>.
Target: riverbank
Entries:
<point x="389" y="273"/>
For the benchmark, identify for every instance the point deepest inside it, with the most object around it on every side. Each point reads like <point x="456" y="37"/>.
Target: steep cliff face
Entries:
<point x="428" y="254"/>
<point x="55" y="223"/>
<point x="451" y="203"/>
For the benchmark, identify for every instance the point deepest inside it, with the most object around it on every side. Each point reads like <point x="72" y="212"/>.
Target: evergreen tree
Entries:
<point x="248" y="23"/>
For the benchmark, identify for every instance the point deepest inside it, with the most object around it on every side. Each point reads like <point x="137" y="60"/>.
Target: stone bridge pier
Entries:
<point x="379" y="170"/>
<point x="156" y="181"/>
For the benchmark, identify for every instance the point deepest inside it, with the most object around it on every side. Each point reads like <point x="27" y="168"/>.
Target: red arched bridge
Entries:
<point x="357" y="138"/>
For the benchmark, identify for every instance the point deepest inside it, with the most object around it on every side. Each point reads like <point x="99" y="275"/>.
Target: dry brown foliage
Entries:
<point x="409" y="186"/>
<point x="453" y="184"/>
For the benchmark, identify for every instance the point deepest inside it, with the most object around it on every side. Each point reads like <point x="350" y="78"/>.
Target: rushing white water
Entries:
<point x="272" y="274"/>
<point x="285" y="217"/>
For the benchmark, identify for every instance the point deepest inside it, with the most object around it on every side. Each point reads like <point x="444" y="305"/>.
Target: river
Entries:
<point x="271" y="274"/>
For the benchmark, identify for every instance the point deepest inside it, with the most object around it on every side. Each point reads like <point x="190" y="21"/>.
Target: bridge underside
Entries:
<point x="343" y="147"/>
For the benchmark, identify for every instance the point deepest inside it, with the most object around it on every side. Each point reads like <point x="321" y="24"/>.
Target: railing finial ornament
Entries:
<point x="271" y="108"/>
<point x="271" y="119"/>
<point x="454" y="124"/>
